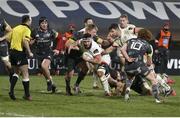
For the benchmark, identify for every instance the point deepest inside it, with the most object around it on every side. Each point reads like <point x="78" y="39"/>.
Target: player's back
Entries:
<point x="137" y="48"/>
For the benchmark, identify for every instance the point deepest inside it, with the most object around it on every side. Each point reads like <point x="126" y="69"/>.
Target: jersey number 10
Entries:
<point x="136" y="45"/>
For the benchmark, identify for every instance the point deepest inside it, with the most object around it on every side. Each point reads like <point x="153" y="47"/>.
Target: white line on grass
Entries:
<point x="14" y="114"/>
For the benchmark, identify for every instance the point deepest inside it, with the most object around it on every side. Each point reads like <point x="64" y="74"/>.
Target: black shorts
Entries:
<point x="41" y="57"/>
<point x="138" y="84"/>
<point x="71" y="63"/>
<point x="18" y="58"/>
<point x="136" y="68"/>
<point x="4" y="51"/>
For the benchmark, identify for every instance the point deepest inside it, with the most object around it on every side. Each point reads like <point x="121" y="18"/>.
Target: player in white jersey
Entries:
<point x="128" y="31"/>
<point x="101" y="61"/>
<point x="92" y="29"/>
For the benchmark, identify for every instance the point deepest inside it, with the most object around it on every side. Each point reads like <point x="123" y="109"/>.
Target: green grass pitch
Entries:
<point x="90" y="102"/>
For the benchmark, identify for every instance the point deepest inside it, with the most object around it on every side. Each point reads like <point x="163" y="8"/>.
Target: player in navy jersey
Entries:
<point x="134" y="51"/>
<point x="44" y="40"/>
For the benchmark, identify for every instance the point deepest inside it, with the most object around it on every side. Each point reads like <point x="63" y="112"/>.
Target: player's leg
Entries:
<point x="15" y="59"/>
<point x="166" y="89"/>
<point x="4" y="55"/>
<point x="155" y="87"/>
<point x="141" y="86"/>
<point x="83" y="69"/>
<point x="46" y="72"/>
<point x="103" y="75"/>
<point x="95" y="81"/>
<point x="8" y="66"/>
<point x="13" y="82"/>
<point x="69" y="74"/>
<point x="129" y="82"/>
<point x="25" y="81"/>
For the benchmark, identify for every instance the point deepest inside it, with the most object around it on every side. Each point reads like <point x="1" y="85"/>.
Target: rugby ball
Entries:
<point x="87" y="55"/>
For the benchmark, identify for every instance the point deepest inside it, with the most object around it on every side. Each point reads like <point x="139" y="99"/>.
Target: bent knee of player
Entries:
<point x="100" y="73"/>
<point x="152" y="77"/>
<point x="70" y="74"/>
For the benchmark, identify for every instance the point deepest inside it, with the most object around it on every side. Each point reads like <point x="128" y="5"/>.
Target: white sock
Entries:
<point x="163" y="83"/>
<point x="105" y="83"/>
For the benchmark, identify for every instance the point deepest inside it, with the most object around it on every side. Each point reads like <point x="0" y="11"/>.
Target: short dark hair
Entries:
<point x="86" y="19"/>
<point x="42" y="19"/>
<point x="145" y="34"/>
<point x="86" y="35"/>
<point x="25" y="18"/>
<point x="113" y="26"/>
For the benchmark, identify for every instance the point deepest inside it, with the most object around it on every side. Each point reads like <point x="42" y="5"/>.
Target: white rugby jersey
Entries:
<point x="127" y="33"/>
<point x="82" y="30"/>
<point x="96" y="50"/>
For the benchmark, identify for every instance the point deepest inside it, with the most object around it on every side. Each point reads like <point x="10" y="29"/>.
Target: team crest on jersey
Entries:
<point x="37" y="36"/>
<point x="96" y="51"/>
<point x="130" y="28"/>
<point x="47" y="35"/>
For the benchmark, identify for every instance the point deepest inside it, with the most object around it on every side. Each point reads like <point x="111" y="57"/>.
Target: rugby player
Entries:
<point x="134" y="51"/>
<point x="5" y="29"/>
<point x="44" y="40"/>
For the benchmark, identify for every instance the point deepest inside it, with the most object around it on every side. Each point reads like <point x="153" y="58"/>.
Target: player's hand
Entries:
<point x="69" y="49"/>
<point x="85" y="58"/>
<point x="31" y="54"/>
<point x="56" y="52"/>
<point x="131" y="59"/>
<point x="156" y="51"/>
<point x="1" y="39"/>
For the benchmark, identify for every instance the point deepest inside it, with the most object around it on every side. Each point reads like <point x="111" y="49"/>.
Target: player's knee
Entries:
<point x="152" y="77"/>
<point x="15" y="75"/>
<point x="26" y="79"/>
<point x="100" y="73"/>
<point x="6" y="58"/>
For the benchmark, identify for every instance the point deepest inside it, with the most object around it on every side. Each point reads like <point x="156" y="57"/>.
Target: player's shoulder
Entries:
<point x="133" y="40"/>
<point x="130" y="26"/>
<point x="95" y="46"/>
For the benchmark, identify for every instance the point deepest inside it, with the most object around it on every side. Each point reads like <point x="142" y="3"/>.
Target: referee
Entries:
<point x="19" y="51"/>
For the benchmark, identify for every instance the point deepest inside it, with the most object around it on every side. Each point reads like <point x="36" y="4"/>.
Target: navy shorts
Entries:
<point x="137" y="68"/>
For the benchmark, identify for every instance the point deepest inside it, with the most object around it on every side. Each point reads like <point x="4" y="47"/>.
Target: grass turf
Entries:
<point x="90" y="102"/>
